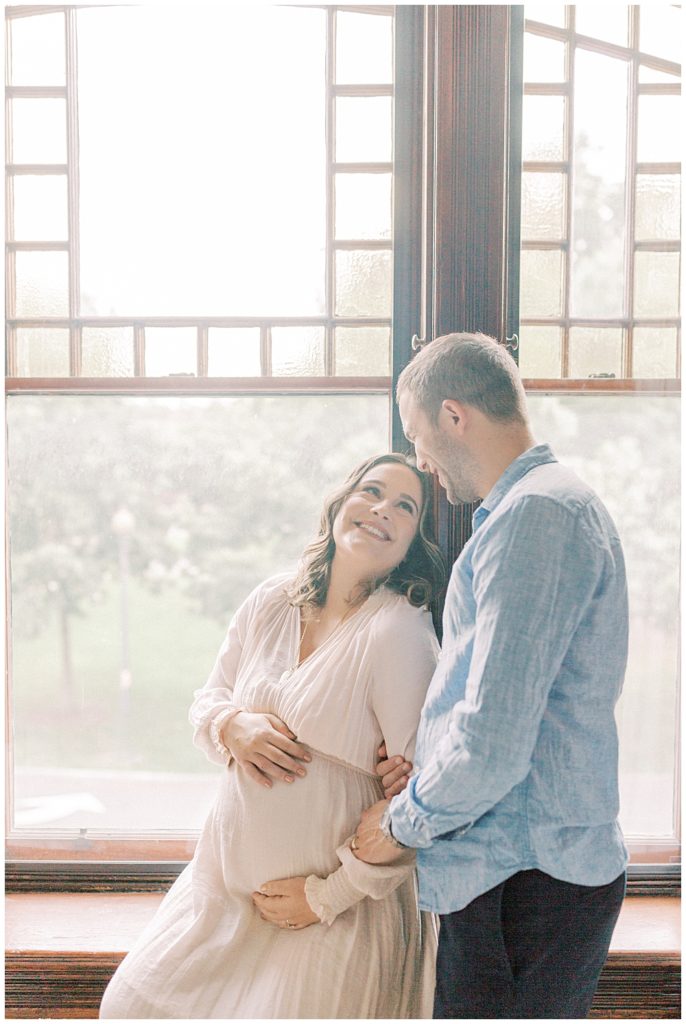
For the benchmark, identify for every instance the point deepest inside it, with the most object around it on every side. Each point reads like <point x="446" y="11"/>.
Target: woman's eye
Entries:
<point x="406" y="507"/>
<point x="370" y="489"/>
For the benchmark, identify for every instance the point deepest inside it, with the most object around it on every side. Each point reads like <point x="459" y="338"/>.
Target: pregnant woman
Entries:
<point x="316" y="671"/>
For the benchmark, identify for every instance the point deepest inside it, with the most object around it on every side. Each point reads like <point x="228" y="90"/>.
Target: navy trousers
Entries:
<point x="531" y="947"/>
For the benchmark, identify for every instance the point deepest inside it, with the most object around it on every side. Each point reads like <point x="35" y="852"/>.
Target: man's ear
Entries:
<point x="455" y="414"/>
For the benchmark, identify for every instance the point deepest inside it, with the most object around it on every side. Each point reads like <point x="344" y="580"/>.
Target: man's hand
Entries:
<point x="283" y="903"/>
<point x="264" y="747"/>
<point x="393" y="771"/>
<point x="370" y="844"/>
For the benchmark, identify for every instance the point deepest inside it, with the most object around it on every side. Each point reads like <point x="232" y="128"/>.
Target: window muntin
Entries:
<point x="601" y="183"/>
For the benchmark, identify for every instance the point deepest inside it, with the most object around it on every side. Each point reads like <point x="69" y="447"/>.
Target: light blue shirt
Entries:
<point x="516" y="758"/>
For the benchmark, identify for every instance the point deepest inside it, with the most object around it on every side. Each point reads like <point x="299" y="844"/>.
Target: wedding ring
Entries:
<point x="354" y="843"/>
<point x="289" y="925"/>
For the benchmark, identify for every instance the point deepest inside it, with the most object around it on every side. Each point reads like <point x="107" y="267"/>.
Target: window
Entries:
<point x="600" y="274"/>
<point x="199" y="328"/>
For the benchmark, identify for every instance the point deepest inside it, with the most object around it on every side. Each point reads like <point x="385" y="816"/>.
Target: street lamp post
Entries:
<point x="123" y="525"/>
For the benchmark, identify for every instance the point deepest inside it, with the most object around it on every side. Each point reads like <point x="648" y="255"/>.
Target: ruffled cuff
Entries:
<point x="329" y="897"/>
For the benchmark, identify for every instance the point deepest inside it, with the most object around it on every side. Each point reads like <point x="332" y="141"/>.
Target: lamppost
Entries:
<point x="123" y="525"/>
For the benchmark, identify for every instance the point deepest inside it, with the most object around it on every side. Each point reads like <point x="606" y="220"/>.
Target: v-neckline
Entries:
<point x="298" y="634"/>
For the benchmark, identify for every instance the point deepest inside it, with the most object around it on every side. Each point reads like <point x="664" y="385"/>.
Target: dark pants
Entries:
<point x="531" y="947"/>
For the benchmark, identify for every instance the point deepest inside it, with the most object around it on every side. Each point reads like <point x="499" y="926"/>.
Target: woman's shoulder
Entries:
<point x="395" y="612"/>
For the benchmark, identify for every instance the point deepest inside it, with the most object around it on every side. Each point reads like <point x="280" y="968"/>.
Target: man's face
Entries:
<point x="440" y="450"/>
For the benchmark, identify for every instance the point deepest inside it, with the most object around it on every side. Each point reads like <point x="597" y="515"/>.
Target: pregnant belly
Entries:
<point x="255" y="835"/>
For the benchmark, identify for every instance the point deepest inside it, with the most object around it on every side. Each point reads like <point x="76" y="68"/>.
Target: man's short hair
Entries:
<point x="471" y="368"/>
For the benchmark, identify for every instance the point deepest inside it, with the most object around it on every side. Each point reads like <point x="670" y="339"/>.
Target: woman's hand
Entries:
<point x="283" y="903"/>
<point x="264" y="747"/>
<point x="393" y="771"/>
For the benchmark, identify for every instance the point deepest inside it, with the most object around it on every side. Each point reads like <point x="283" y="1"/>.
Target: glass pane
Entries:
<point x="42" y="284"/>
<point x="543" y="128"/>
<point x="658" y="206"/>
<point x="646" y="74"/>
<point x="661" y="31"/>
<point x="656" y="284"/>
<point x="233" y="352"/>
<point x="594" y="350"/>
<point x="298" y="351"/>
<point x="610" y="23"/>
<point x="363" y="206"/>
<point x="40" y="208"/>
<point x="541" y="283"/>
<point x="599" y="183"/>
<point x="363" y="129"/>
<point x="364" y="48"/>
<point x="543" y="206"/>
<point x="363" y="351"/>
<point x="656" y="142"/>
<point x="627" y="448"/>
<point x="540" y="352"/>
<point x="128" y="558"/>
<point x="544" y="59"/>
<point x="37" y="50"/>
<point x="363" y="283"/>
<point x="42" y="352"/>
<point x="39" y="131"/>
<point x="230" y="160"/>
<point x="655" y="352"/>
<point x="551" y="14"/>
<point x="171" y="350"/>
<point x="107" y="352"/>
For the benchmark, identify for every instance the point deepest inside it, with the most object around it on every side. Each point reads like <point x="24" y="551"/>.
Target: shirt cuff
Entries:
<point x="408" y="824"/>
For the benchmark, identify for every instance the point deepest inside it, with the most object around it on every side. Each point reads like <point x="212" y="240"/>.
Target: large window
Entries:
<point x="600" y="285"/>
<point x="199" y="327"/>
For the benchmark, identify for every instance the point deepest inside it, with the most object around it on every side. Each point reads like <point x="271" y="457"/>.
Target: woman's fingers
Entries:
<point x="254" y="773"/>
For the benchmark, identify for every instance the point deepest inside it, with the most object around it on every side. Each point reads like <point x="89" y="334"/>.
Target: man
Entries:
<point x="513" y="803"/>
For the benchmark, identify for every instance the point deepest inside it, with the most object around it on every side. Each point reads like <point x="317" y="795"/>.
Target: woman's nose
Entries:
<point x="381" y="509"/>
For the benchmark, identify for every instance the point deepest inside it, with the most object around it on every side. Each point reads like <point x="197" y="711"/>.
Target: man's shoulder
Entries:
<point x="550" y="483"/>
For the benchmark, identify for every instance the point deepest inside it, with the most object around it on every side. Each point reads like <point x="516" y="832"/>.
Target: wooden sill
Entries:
<point x="62" y="948"/>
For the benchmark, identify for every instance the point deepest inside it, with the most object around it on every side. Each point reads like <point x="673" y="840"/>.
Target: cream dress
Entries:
<point x="207" y="953"/>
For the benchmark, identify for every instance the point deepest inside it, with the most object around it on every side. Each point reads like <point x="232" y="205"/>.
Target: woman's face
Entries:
<point x="377" y="522"/>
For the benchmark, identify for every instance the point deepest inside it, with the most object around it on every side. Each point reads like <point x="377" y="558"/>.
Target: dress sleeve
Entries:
<point x="216" y="696"/>
<point x="404" y="656"/>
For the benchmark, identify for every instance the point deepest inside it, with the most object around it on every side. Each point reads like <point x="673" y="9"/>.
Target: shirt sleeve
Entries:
<point x="535" y="571"/>
<point x="216" y="696"/>
<point x="404" y="655"/>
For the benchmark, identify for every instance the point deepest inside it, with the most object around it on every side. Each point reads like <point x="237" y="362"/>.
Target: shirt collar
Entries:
<point x="539" y="455"/>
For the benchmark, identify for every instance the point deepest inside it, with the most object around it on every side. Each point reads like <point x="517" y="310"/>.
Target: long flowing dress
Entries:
<point x="207" y="953"/>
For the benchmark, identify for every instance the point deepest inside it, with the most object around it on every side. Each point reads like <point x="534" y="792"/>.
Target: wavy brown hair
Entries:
<point x="419" y="577"/>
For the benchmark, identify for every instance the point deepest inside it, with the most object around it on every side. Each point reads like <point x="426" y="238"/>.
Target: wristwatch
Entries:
<point x="385" y="826"/>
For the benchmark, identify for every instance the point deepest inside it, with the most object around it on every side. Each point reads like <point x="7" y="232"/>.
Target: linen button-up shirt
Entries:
<point x="516" y="758"/>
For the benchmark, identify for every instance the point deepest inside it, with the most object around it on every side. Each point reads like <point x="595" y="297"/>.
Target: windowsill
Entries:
<point x="62" y="949"/>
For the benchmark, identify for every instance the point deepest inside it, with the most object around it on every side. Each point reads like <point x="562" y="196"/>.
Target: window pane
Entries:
<point x="551" y="14"/>
<point x="656" y="284"/>
<point x="128" y="558"/>
<point x="40" y="208"/>
<point x="661" y="30"/>
<point x="595" y="350"/>
<point x="42" y="284"/>
<point x="298" y="351"/>
<point x="38" y="48"/>
<point x="655" y="142"/>
<point x="658" y="206"/>
<point x="647" y="74"/>
<point x="364" y="48"/>
<point x="234" y="352"/>
<point x="540" y="352"/>
<point x="543" y="128"/>
<point x="599" y="182"/>
<point x="610" y="23"/>
<point x="627" y="448"/>
<point x="544" y="59"/>
<point x="543" y="206"/>
<point x="363" y="351"/>
<point x="107" y="352"/>
<point x="363" y="206"/>
<point x="363" y="129"/>
<point x="170" y="350"/>
<point x="39" y="131"/>
<point x="224" y="164"/>
<point x="363" y="283"/>
<point x="541" y="283"/>
<point x="42" y="352"/>
<point x="655" y="352"/>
